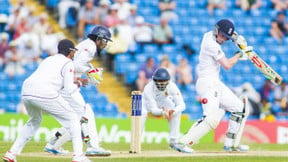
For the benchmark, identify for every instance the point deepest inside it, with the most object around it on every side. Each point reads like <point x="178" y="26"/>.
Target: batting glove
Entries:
<point x="234" y="36"/>
<point x="240" y="41"/>
<point x="95" y="75"/>
<point x="244" y="53"/>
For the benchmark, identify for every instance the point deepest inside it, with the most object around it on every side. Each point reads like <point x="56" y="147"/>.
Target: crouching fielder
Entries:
<point x="40" y="92"/>
<point x="216" y="97"/>
<point x="162" y="97"/>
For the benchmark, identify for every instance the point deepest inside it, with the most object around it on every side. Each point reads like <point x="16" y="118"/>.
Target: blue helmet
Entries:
<point x="100" y="32"/>
<point x="161" y="78"/>
<point x="226" y="27"/>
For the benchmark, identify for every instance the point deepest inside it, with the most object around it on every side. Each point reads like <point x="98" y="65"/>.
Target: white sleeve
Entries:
<point x="68" y="78"/>
<point x="215" y="51"/>
<point x="149" y="102"/>
<point x="178" y="99"/>
<point x="82" y="63"/>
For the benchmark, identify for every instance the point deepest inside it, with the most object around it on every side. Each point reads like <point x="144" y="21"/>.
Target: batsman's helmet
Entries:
<point x="226" y="27"/>
<point x="100" y="32"/>
<point x="161" y="78"/>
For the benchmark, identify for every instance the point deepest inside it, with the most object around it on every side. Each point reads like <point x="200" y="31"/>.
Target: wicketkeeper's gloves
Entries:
<point x="95" y="75"/>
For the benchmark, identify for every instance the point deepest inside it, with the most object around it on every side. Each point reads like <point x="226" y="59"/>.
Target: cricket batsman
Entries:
<point x="162" y="97"/>
<point x="216" y="97"/>
<point x="96" y="41"/>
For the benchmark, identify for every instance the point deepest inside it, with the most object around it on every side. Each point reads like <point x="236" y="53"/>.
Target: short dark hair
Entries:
<point x="65" y="46"/>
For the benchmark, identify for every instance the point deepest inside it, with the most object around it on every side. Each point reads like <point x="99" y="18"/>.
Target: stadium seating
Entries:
<point x="71" y="18"/>
<point x="195" y="20"/>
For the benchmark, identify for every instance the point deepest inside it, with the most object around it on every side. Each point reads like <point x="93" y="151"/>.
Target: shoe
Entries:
<point x="99" y="151"/>
<point x="9" y="157"/>
<point x="80" y="158"/>
<point x="181" y="147"/>
<point x="59" y="151"/>
<point x="240" y="148"/>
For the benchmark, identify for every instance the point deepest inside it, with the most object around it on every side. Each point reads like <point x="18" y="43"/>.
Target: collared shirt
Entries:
<point x="153" y="100"/>
<point x="83" y="56"/>
<point x="55" y="73"/>
<point x="210" y="52"/>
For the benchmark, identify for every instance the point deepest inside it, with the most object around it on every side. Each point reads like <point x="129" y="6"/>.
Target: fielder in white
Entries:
<point x="216" y="97"/>
<point x="96" y="41"/>
<point x="162" y="97"/>
<point x="40" y="92"/>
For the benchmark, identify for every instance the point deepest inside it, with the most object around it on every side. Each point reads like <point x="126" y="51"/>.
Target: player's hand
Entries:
<point x="95" y="75"/>
<point x="243" y="54"/>
<point x="171" y="114"/>
<point x="234" y="36"/>
<point x="240" y="41"/>
<point x="167" y="114"/>
<point x="81" y="82"/>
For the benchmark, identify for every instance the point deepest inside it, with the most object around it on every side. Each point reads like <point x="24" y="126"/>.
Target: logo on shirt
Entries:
<point x="71" y="70"/>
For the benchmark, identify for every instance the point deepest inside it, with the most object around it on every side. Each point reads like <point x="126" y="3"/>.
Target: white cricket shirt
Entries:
<point x="154" y="100"/>
<point x="210" y="52"/>
<point x="55" y="73"/>
<point x="83" y="56"/>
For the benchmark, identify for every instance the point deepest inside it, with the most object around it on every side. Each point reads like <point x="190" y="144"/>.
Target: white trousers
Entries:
<point x="60" y="110"/>
<point x="174" y="125"/>
<point x="218" y="96"/>
<point x="84" y="110"/>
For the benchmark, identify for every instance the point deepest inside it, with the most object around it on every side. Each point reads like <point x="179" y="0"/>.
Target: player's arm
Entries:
<point x="178" y="99"/>
<point x="68" y="78"/>
<point x="150" y="102"/>
<point x="82" y="63"/>
<point x="81" y="82"/>
<point x="228" y="63"/>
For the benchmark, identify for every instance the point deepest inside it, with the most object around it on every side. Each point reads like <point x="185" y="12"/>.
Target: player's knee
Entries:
<point x="212" y="122"/>
<point x="213" y="119"/>
<point x="242" y="112"/>
<point x="36" y="120"/>
<point x="237" y="116"/>
<point x="245" y="106"/>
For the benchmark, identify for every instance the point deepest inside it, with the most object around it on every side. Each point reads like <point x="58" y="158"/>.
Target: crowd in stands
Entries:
<point x="25" y="36"/>
<point x="26" y="39"/>
<point x="267" y="102"/>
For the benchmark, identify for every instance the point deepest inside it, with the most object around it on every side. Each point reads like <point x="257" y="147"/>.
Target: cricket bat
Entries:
<point x="257" y="61"/>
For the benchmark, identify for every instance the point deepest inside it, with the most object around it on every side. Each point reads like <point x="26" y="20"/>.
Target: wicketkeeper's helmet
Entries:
<point x="161" y="78"/>
<point x="100" y="32"/>
<point x="226" y="27"/>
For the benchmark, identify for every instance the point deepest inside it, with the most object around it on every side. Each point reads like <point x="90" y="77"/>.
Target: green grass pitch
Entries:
<point x="33" y="152"/>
